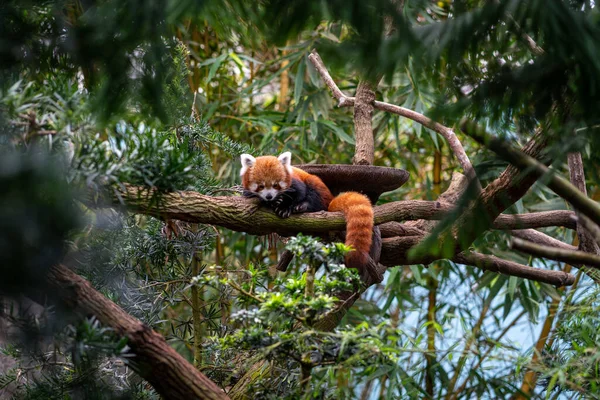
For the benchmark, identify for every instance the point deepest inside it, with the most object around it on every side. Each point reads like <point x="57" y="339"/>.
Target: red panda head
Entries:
<point x="267" y="176"/>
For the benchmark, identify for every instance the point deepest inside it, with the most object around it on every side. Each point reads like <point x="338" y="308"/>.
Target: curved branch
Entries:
<point x="348" y="101"/>
<point x="569" y="256"/>
<point x="396" y="253"/>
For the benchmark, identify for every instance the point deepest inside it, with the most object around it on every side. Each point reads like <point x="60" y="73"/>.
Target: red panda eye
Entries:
<point x="276" y="186"/>
<point x="260" y="187"/>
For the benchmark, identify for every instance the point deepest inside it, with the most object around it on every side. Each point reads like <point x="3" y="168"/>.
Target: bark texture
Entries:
<point x="363" y="130"/>
<point x="167" y="371"/>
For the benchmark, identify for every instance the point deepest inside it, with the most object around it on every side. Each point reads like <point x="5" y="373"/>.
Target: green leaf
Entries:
<point x="238" y="61"/>
<point x="299" y="80"/>
<point x="215" y="66"/>
<point x="338" y="131"/>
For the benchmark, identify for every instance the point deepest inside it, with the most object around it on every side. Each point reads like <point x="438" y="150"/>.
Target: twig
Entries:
<point x="570" y="256"/>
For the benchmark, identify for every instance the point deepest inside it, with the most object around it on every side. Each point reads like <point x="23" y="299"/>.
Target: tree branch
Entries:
<point x="534" y="168"/>
<point x="541" y="238"/>
<point x="247" y="215"/>
<point x="569" y="256"/>
<point x="348" y="101"/>
<point x="155" y="361"/>
<point x="396" y="253"/>
<point x="577" y="177"/>
<point x="479" y="215"/>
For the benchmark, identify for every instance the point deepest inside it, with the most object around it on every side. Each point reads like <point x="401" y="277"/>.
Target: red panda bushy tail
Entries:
<point x="358" y="213"/>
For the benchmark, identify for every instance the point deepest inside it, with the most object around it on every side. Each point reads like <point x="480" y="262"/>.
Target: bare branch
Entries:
<point x="395" y="250"/>
<point x="541" y="238"/>
<point x="553" y="253"/>
<point x="536" y="220"/>
<point x="315" y="59"/>
<point x="447" y="133"/>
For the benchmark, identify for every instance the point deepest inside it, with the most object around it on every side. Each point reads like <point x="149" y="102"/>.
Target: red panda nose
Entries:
<point x="269" y="196"/>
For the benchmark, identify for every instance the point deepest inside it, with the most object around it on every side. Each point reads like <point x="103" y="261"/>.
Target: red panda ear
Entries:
<point x="247" y="162"/>
<point x="286" y="160"/>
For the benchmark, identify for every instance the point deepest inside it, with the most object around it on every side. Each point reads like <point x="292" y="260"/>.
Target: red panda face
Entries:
<point x="266" y="176"/>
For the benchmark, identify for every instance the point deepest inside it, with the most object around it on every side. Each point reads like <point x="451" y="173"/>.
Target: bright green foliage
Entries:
<point x="278" y="324"/>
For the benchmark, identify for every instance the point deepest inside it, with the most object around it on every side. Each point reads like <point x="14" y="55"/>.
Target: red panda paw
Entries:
<point x="282" y="211"/>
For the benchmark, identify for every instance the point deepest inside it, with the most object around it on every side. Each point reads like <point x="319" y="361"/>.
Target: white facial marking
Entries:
<point x="286" y="160"/>
<point x="268" y="194"/>
<point x="253" y="187"/>
<point x="247" y="162"/>
<point x="282" y="184"/>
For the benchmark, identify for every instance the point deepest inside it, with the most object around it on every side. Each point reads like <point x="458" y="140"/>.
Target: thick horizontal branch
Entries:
<point x="569" y="256"/>
<point x="396" y="253"/>
<point x="247" y="215"/>
<point x="167" y="371"/>
<point x="541" y="219"/>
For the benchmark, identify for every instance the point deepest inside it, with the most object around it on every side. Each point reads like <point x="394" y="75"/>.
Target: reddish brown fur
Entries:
<point x="267" y="169"/>
<point x="356" y="207"/>
<point x="358" y="212"/>
<point x="316" y="183"/>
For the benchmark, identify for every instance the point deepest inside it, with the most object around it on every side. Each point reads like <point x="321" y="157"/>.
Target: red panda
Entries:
<point x="288" y="190"/>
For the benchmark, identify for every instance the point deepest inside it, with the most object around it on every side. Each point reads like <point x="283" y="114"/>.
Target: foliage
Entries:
<point x="168" y="94"/>
<point x="278" y="323"/>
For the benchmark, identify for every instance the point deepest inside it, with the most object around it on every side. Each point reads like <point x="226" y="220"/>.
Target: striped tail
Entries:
<point x="358" y="212"/>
